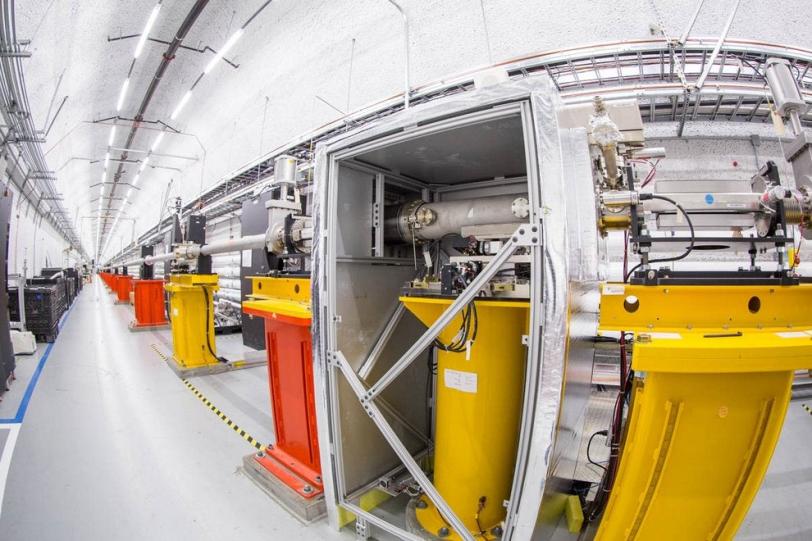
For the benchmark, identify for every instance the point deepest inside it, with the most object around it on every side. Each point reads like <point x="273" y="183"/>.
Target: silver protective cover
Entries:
<point x="574" y="261"/>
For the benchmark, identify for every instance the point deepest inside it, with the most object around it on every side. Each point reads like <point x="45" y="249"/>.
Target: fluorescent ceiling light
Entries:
<point x="129" y="193"/>
<point x="145" y="34"/>
<point x="157" y="142"/>
<point x="103" y="178"/>
<point x="228" y="45"/>
<point x="136" y="179"/>
<point x="112" y="136"/>
<point x="122" y="94"/>
<point x="183" y="101"/>
<point x="106" y="160"/>
<point x="143" y="165"/>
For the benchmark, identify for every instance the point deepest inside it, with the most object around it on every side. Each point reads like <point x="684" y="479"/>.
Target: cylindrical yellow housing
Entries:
<point x="478" y="408"/>
<point x="191" y="298"/>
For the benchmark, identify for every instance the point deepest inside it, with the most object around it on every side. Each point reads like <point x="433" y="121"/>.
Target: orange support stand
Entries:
<point x="294" y="458"/>
<point x="150" y="310"/>
<point x="124" y="284"/>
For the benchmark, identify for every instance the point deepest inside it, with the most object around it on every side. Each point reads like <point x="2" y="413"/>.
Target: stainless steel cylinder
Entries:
<point x="431" y="221"/>
<point x="786" y="95"/>
<point x="249" y="242"/>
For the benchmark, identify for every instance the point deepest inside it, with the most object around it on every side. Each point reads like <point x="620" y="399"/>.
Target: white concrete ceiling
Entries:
<point x="293" y="52"/>
<point x="70" y="41"/>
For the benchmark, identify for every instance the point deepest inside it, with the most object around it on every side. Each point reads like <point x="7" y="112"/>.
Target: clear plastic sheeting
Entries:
<point x="573" y="262"/>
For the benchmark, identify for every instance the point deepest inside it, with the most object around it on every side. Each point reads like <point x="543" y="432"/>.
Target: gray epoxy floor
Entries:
<point x="113" y="446"/>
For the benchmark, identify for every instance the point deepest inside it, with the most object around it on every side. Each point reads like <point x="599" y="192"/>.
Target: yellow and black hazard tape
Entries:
<point x="159" y="352"/>
<point x="245" y="435"/>
<point x="807" y="408"/>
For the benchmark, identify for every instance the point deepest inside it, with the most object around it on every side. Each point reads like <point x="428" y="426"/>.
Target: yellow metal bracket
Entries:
<point x="280" y="296"/>
<point x="714" y="369"/>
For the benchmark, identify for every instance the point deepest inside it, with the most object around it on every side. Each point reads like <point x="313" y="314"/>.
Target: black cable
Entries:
<point x="467" y="333"/>
<point x="480" y="507"/>
<point x="430" y="373"/>
<point x="688" y="250"/>
<point x="589" y="445"/>
<point x="754" y="68"/>
<point x="208" y="316"/>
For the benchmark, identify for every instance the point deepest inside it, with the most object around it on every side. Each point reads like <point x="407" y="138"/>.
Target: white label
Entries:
<point x="461" y="381"/>
<point x="794" y="334"/>
<point x="614" y="289"/>
<point x="246" y="258"/>
<point x="666" y="335"/>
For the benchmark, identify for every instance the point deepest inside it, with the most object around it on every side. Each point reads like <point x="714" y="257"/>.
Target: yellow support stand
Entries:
<point x="191" y="302"/>
<point x="285" y="296"/>
<point x="714" y="368"/>
<point x="479" y="396"/>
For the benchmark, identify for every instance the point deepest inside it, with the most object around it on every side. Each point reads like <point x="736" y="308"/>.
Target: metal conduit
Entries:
<point x="166" y="58"/>
<point x="250" y="242"/>
<point x="16" y="111"/>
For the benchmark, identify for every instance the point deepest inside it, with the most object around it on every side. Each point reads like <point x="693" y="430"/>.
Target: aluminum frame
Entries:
<point x="512" y="99"/>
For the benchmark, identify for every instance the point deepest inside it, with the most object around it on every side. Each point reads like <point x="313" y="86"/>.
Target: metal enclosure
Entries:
<point x="253" y="220"/>
<point x="7" y="360"/>
<point x="498" y="140"/>
<point x="145" y="272"/>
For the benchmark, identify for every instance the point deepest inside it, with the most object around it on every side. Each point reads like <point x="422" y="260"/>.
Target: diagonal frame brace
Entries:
<point x="525" y="235"/>
<point x="380" y="344"/>
<point x="400" y="450"/>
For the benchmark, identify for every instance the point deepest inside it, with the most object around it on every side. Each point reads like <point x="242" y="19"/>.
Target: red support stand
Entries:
<point x="123" y="287"/>
<point x="150" y="310"/>
<point x="294" y="459"/>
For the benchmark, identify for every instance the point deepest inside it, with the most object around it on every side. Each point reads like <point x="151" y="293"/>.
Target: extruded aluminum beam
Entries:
<point x="470" y="293"/>
<point x="403" y="453"/>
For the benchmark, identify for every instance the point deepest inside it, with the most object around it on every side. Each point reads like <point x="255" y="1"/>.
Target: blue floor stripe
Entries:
<point x="29" y="391"/>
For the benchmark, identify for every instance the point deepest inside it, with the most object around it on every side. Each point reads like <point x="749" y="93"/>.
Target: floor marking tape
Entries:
<point x="223" y="417"/>
<point x="159" y="352"/>
<point x="32" y="383"/>
<point x="5" y="459"/>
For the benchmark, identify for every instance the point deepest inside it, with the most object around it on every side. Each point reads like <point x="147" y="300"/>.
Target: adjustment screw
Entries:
<point x="307" y="489"/>
<point x="421" y="504"/>
<point x="442" y="532"/>
<point x="497" y="531"/>
<point x="260" y="454"/>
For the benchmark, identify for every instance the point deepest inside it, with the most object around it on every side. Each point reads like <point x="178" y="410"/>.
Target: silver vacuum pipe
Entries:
<point x="431" y="221"/>
<point x="250" y="242"/>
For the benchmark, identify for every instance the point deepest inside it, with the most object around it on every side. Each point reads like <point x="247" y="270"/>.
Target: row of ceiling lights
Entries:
<point x="157" y="141"/>
<point x="142" y="40"/>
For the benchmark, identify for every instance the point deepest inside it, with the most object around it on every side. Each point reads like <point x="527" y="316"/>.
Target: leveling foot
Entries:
<point x="208" y="369"/>
<point x="307" y="504"/>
